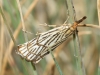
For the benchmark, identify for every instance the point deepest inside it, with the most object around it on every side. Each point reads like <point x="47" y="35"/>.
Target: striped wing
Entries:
<point x="37" y="48"/>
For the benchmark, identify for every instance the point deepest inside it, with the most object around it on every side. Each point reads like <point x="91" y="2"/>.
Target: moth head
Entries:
<point x="19" y="48"/>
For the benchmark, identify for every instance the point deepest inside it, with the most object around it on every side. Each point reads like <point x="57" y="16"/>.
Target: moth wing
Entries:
<point x="28" y="50"/>
<point x="37" y="48"/>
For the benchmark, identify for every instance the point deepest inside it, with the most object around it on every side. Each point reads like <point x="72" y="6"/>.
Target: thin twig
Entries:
<point x="77" y="53"/>
<point x="89" y="25"/>
<point x="9" y="30"/>
<point x="2" y="44"/>
<point x="98" y="8"/>
<point x="13" y="65"/>
<point x="79" y="25"/>
<point x="56" y="63"/>
<point x="23" y="25"/>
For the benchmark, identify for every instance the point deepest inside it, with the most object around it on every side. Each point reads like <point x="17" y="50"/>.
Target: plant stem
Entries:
<point x="34" y="69"/>
<point x="56" y="63"/>
<point x="80" y="68"/>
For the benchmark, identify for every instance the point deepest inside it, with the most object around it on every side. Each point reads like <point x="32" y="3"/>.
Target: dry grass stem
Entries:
<point x="31" y="7"/>
<point x="2" y="44"/>
<point x="88" y="55"/>
<point x="98" y="9"/>
<point x="80" y="25"/>
<point x="13" y="65"/>
<point x="99" y="62"/>
<point x="21" y="15"/>
<point x="89" y="25"/>
<point x="1" y="40"/>
<point x="22" y="20"/>
<point x="11" y="45"/>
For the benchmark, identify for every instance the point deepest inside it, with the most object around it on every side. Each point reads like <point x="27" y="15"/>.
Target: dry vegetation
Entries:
<point x="28" y="15"/>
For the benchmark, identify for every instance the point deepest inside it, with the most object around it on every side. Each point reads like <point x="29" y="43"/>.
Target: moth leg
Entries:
<point x="25" y="31"/>
<point x="66" y="21"/>
<point x="48" y="25"/>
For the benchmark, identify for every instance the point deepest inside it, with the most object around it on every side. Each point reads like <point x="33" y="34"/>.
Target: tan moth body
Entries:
<point x="35" y="49"/>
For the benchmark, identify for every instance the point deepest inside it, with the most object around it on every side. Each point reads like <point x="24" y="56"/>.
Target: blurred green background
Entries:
<point x="51" y="12"/>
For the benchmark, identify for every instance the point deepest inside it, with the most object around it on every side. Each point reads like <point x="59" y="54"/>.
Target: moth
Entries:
<point x="37" y="48"/>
